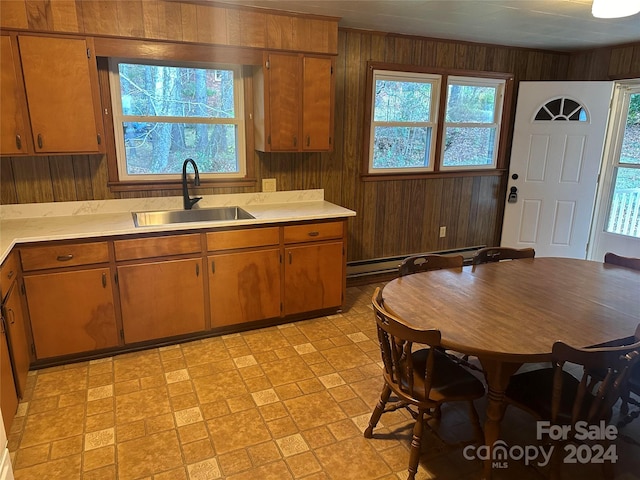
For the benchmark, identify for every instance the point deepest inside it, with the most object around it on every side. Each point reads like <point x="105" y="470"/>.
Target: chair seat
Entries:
<point x="533" y="391"/>
<point x="449" y="380"/>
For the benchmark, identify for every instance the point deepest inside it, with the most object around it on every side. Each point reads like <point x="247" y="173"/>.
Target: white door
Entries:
<point x="617" y="223"/>
<point x="556" y="154"/>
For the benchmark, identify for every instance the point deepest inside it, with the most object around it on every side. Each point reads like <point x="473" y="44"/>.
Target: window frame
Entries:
<point x="466" y="80"/>
<point x="501" y="151"/>
<point x="118" y="118"/>
<point x="434" y="81"/>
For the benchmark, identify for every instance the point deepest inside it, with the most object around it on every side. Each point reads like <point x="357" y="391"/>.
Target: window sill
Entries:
<point x="380" y="177"/>
<point x="177" y="185"/>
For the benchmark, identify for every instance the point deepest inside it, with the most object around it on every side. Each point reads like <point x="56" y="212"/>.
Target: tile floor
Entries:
<point x="286" y="402"/>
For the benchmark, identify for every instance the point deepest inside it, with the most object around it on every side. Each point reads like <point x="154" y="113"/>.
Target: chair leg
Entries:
<point x="416" y="441"/>
<point x="378" y="411"/>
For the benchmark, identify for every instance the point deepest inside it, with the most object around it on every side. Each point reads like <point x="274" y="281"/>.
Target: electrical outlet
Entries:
<point x="268" y="184"/>
<point x="443" y="232"/>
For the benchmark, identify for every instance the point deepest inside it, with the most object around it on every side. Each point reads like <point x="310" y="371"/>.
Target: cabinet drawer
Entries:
<point x="9" y="272"/>
<point x="313" y="232"/>
<point x="250" y="237"/>
<point x="157" y="246"/>
<point x="54" y="256"/>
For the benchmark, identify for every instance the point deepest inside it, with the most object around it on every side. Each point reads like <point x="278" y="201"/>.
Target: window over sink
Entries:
<point x="165" y="113"/>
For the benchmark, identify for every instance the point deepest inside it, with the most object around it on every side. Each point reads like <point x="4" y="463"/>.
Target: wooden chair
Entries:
<point x="431" y="261"/>
<point x="422" y="378"/>
<point x="628" y="262"/>
<point x="495" y="254"/>
<point x="555" y="395"/>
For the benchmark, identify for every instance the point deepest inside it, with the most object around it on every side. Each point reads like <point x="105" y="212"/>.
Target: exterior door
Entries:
<point x="617" y="224"/>
<point x="558" y="140"/>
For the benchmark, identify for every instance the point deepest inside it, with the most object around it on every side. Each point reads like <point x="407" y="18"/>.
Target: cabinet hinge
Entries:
<point x="331" y="69"/>
<point x="269" y="140"/>
<point x="33" y="349"/>
<point x="281" y="307"/>
<point x="122" y="334"/>
<point x="88" y="53"/>
<point x="267" y="65"/>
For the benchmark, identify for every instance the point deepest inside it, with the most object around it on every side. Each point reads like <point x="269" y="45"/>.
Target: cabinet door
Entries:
<point x="71" y="312"/>
<point x="17" y="334"/>
<point x="61" y="87"/>
<point x="161" y="299"/>
<point x="284" y="101"/>
<point x="14" y="133"/>
<point x="313" y="277"/>
<point x="244" y="287"/>
<point x="317" y="105"/>
<point x="8" y="396"/>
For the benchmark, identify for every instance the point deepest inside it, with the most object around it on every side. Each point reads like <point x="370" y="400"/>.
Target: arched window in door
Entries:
<point x="562" y="109"/>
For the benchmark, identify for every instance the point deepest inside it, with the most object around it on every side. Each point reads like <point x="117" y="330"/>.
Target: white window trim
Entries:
<point x="435" y="81"/>
<point x="118" y="118"/>
<point x="497" y="116"/>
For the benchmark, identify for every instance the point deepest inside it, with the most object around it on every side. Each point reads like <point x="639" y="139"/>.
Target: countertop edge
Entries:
<point x="16" y="231"/>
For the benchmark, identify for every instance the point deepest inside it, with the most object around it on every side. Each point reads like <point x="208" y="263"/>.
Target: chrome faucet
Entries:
<point x="189" y="202"/>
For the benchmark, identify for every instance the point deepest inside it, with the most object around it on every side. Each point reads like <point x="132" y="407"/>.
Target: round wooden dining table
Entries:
<point x="510" y="313"/>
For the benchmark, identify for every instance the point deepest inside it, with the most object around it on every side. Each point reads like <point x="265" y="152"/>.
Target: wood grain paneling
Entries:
<point x="393" y="217"/>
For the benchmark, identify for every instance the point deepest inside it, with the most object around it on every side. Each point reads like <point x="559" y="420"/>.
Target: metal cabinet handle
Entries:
<point x="99" y="139"/>
<point x="213" y="266"/>
<point x="197" y="269"/>
<point x="64" y="258"/>
<point x="308" y="140"/>
<point x="290" y="257"/>
<point x="10" y="274"/>
<point x="12" y="315"/>
<point x="40" y="140"/>
<point x="314" y="234"/>
<point x="18" y="141"/>
<point x="104" y="280"/>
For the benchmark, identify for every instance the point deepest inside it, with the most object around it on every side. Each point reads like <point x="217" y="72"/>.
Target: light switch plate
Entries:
<point x="268" y="184"/>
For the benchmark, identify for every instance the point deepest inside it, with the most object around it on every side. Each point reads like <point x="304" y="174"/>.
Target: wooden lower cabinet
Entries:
<point x="71" y="312"/>
<point x="161" y="299"/>
<point x="15" y="325"/>
<point x="313" y="277"/>
<point x="244" y="287"/>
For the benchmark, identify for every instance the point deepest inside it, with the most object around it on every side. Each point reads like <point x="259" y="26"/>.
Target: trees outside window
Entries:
<point x="164" y="114"/>
<point x="422" y="122"/>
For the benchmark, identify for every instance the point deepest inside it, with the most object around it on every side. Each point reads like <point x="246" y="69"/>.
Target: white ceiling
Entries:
<point x="564" y="25"/>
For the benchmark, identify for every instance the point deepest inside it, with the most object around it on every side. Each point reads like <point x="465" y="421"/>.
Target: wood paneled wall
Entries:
<point x="404" y="216"/>
<point x="393" y="217"/>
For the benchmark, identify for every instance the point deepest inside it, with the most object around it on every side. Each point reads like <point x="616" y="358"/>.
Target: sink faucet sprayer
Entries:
<point x="189" y="202"/>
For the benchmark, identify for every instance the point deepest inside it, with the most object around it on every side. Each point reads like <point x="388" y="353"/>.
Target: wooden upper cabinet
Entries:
<point x="294" y="102"/>
<point x="14" y="130"/>
<point x="317" y="103"/>
<point x="61" y="86"/>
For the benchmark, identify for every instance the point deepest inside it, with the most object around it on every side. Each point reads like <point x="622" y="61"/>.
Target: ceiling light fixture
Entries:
<point x="615" y="8"/>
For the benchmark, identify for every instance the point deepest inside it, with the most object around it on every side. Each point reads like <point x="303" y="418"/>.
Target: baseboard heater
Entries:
<point x="387" y="265"/>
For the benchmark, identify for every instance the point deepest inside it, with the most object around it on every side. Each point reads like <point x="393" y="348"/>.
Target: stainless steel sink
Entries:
<point x="168" y="217"/>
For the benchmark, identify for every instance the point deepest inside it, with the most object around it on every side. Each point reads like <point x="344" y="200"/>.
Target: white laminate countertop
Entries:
<point x="36" y="222"/>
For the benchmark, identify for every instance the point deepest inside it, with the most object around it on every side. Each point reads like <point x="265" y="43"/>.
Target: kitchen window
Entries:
<point x="164" y="114"/>
<point x="433" y="122"/>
